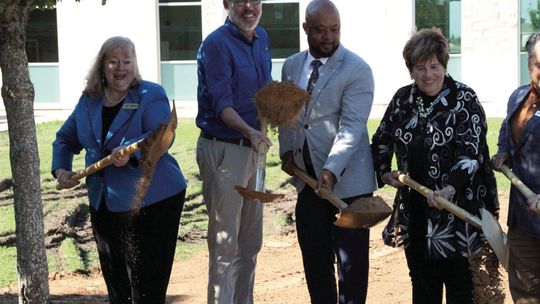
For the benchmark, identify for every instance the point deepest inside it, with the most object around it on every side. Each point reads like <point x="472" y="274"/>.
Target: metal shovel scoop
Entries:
<point x="362" y="213"/>
<point x="489" y="225"/>
<point x="258" y="194"/>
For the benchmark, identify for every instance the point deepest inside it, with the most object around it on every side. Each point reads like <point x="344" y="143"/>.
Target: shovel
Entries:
<point x="489" y="225"/>
<point x="258" y="194"/>
<point x="157" y="142"/>
<point x="362" y="213"/>
<point x="526" y="191"/>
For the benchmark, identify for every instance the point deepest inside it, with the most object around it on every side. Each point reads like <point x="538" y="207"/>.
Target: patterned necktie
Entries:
<point x="311" y="83"/>
<point x="314" y="75"/>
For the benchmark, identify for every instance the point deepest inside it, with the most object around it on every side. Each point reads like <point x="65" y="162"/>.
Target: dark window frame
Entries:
<point x="437" y="14"/>
<point x="42" y="36"/>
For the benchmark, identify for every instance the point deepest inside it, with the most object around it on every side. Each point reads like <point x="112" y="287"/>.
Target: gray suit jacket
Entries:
<point x="334" y="122"/>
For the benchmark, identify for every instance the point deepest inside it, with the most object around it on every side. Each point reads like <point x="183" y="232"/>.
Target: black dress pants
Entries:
<point x="321" y="242"/>
<point x="136" y="251"/>
<point x="429" y="276"/>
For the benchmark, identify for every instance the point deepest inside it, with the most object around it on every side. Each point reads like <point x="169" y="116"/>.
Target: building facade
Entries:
<point x="486" y="42"/>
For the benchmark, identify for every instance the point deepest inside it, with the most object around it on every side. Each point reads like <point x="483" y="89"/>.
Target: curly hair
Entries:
<point x="95" y="80"/>
<point x="425" y="44"/>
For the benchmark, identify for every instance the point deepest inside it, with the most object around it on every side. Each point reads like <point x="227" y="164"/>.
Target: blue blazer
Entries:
<point x="524" y="158"/>
<point x="144" y="109"/>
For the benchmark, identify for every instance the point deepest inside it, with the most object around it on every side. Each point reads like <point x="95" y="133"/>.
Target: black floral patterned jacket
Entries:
<point x="453" y="137"/>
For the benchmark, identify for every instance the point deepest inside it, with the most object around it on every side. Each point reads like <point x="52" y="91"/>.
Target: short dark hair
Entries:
<point x="529" y="46"/>
<point x="425" y="44"/>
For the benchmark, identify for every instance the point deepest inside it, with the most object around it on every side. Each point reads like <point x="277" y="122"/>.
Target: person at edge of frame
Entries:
<point x="519" y="148"/>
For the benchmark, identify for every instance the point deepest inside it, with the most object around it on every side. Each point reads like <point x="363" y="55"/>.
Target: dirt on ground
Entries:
<point x="279" y="277"/>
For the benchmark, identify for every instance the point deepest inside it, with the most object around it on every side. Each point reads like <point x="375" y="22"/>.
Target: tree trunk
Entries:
<point x="18" y="96"/>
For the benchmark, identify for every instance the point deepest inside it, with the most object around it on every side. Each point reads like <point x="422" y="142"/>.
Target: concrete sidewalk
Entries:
<point x="39" y="116"/>
<point x="188" y="109"/>
<point x="183" y="109"/>
<point x="3" y="121"/>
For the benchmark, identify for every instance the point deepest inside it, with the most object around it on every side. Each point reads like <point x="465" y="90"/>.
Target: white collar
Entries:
<point x="310" y="58"/>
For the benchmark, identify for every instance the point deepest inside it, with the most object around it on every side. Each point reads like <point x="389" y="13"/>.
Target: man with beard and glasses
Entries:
<point x="233" y="64"/>
<point x="330" y="142"/>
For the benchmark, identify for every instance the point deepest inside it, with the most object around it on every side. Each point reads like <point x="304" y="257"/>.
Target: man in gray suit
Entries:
<point x="330" y="142"/>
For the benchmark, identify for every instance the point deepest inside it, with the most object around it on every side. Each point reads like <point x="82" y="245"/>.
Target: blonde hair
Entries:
<point x="95" y="80"/>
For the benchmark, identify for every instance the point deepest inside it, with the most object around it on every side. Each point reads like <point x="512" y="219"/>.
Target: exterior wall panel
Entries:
<point x="376" y="30"/>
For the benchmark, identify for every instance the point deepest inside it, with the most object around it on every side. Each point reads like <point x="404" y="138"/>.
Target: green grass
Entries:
<point x="45" y="133"/>
<point x="194" y="218"/>
<point x="7" y="220"/>
<point x="71" y="254"/>
<point x="276" y="225"/>
<point x="186" y="250"/>
<point x="8" y="265"/>
<point x="5" y="171"/>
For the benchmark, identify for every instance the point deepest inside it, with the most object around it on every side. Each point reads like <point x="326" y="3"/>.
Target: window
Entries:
<point x="42" y="52"/>
<point x="180" y="29"/>
<point x="529" y="23"/>
<point x="530" y="20"/>
<point x="42" y="36"/>
<point x="281" y="21"/>
<point x="444" y="14"/>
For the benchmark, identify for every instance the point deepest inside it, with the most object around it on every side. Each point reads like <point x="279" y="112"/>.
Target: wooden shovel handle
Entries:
<point x="451" y="207"/>
<point x="517" y="182"/>
<point x="104" y="162"/>
<point x="327" y="194"/>
<point x="162" y="143"/>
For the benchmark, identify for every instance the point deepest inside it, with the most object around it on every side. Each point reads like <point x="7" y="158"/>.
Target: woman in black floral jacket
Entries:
<point x="436" y="127"/>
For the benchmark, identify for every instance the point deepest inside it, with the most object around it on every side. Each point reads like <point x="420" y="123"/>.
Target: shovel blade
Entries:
<point x="363" y="213"/>
<point x="495" y="237"/>
<point x="253" y="195"/>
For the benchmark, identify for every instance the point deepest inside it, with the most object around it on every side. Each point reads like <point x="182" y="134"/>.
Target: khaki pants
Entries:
<point x="524" y="268"/>
<point x="234" y="223"/>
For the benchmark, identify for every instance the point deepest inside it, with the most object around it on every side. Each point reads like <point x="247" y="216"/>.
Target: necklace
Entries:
<point x="423" y="112"/>
<point x="112" y="103"/>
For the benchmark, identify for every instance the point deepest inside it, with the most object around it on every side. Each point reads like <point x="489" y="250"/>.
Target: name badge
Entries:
<point x="537" y="114"/>
<point x="131" y="106"/>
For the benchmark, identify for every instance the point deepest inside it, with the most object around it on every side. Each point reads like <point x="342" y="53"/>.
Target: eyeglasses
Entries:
<point x="243" y="3"/>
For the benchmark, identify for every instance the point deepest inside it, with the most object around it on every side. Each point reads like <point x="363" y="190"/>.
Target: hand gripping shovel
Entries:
<point x="154" y="145"/>
<point x="526" y="191"/>
<point x="362" y="213"/>
<point x="258" y="194"/>
<point x="489" y="225"/>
